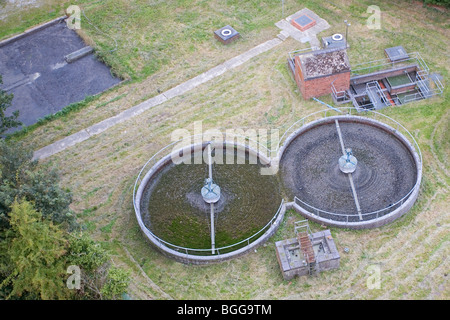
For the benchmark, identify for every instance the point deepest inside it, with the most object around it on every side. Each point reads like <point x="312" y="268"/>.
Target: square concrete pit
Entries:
<point x="307" y="20"/>
<point x="226" y="34"/>
<point x="303" y="22"/>
<point x="293" y="263"/>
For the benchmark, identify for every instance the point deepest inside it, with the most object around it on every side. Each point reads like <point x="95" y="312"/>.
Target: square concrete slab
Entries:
<point x="226" y="34"/>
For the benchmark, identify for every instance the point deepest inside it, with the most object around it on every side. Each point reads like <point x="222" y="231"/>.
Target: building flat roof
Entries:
<point x="325" y="62"/>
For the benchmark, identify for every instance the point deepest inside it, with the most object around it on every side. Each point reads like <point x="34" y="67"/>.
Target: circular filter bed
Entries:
<point x="173" y="209"/>
<point x="386" y="171"/>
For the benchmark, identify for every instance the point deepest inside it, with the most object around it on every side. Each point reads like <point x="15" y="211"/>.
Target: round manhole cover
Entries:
<point x="337" y="37"/>
<point x="226" y="32"/>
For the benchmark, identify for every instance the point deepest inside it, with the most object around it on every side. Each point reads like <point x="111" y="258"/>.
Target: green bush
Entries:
<point x="21" y="178"/>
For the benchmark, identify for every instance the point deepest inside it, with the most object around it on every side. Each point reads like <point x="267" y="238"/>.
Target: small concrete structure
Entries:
<point x="226" y="34"/>
<point x="310" y="30"/>
<point x="74" y="56"/>
<point x="337" y="40"/>
<point x="396" y="54"/>
<point x="293" y="262"/>
<point x="303" y="22"/>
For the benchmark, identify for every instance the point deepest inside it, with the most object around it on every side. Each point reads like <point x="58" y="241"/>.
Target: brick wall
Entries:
<point x="320" y="86"/>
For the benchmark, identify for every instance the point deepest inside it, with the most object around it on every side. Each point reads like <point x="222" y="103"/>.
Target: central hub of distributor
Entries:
<point x="210" y="191"/>
<point x="348" y="162"/>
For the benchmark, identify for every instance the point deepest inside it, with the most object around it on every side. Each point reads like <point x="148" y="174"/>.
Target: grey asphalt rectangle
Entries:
<point x="34" y="69"/>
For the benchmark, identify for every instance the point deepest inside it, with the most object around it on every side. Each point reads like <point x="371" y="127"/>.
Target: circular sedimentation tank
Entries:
<point x="343" y="171"/>
<point x="378" y="184"/>
<point x="176" y="217"/>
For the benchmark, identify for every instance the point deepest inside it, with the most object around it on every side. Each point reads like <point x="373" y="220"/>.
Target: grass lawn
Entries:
<point x="163" y="43"/>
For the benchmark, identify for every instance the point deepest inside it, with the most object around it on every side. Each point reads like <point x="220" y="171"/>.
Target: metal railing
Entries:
<point x="292" y="54"/>
<point x="373" y="90"/>
<point x="422" y="77"/>
<point x="424" y="83"/>
<point x="339" y="96"/>
<point x="159" y="156"/>
<point x="385" y="64"/>
<point x="319" y="212"/>
<point x="344" y="217"/>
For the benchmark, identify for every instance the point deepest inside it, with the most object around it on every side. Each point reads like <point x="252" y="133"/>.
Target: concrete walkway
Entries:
<point x="104" y="125"/>
<point x="287" y="30"/>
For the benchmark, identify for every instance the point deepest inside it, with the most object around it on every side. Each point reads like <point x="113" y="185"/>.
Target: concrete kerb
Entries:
<point x="60" y="145"/>
<point x="31" y="31"/>
<point x="191" y="258"/>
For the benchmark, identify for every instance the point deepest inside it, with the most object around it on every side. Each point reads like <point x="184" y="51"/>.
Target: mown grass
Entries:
<point x="156" y="44"/>
<point x="101" y="171"/>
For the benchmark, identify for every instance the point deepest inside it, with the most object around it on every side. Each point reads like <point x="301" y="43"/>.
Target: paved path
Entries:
<point x="286" y="31"/>
<point x="104" y="125"/>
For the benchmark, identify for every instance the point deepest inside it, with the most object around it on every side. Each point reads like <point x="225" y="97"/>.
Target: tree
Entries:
<point x="20" y="177"/>
<point x="5" y="102"/>
<point x="37" y="237"/>
<point x="92" y="260"/>
<point x="33" y="251"/>
<point x="445" y="3"/>
<point x="99" y="280"/>
<point x="116" y="283"/>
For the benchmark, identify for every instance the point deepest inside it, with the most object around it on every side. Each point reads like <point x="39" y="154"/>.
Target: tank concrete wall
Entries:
<point x="365" y="224"/>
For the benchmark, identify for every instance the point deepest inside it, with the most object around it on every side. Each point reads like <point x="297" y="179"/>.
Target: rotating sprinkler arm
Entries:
<point x="210" y="162"/>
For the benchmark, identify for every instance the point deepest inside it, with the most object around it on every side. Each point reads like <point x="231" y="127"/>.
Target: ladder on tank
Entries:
<point x="303" y="233"/>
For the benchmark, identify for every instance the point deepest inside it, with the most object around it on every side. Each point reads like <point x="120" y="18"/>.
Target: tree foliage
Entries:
<point x="33" y="249"/>
<point x="7" y="122"/>
<point x="445" y="3"/>
<point x="35" y="256"/>
<point x="116" y="283"/>
<point x="21" y="178"/>
<point x="99" y="279"/>
<point x="38" y="241"/>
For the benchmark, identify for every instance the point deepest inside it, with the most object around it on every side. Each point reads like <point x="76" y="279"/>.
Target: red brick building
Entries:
<point x="316" y="71"/>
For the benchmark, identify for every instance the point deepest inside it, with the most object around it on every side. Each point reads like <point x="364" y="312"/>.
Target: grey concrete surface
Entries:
<point x="102" y="126"/>
<point x="34" y="69"/>
<point x="308" y="35"/>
